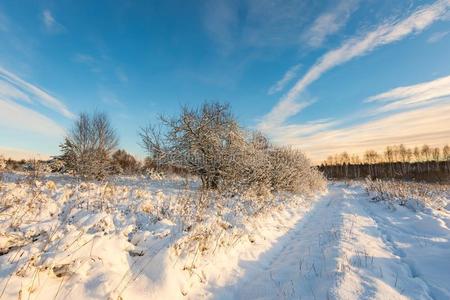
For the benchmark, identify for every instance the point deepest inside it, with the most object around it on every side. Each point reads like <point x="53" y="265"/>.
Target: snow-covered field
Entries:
<point x="139" y="238"/>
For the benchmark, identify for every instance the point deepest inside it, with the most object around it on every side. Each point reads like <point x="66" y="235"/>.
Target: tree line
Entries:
<point x="398" y="161"/>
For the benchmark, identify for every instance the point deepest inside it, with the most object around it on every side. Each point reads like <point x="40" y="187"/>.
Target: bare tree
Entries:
<point x="446" y="156"/>
<point x="199" y="140"/>
<point x="87" y="148"/>
<point x="446" y="152"/>
<point x="209" y="143"/>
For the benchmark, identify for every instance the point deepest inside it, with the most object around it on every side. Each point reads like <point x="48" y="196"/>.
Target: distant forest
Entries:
<point x="397" y="162"/>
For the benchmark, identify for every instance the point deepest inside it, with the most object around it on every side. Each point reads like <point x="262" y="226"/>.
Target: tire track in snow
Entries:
<point x="302" y="264"/>
<point x="336" y="251"/>
<point x="394" y="233"/>
<point x="374" y="269"/>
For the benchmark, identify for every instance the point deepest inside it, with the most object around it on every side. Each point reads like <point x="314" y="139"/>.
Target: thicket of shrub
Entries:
<point x="209" y="143"/>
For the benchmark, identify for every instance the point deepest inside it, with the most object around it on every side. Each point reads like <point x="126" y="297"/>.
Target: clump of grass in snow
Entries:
<point x="409" y="194"/>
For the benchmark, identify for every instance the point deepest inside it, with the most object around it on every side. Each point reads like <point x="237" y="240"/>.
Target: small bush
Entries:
<point x="124" y="163"/>
<point x="87" y="149"/>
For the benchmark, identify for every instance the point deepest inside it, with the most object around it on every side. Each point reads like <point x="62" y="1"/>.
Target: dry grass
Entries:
<point x="409" y="193"/>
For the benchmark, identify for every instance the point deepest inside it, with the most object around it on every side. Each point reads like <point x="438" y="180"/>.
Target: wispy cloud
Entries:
<point x="50" y="24"/>
<point x="121" y="75"/>
<point x="437" y="36"/>
<point x="428" y="125"/>
<point x="108" y="97"/>
<point x="329" y="22"/>
<point x="15" y="153"/>
<point x="256" y="23"/>
<point x="397" y="119"/>
<point x="90" y="61"/>
<point x="409" y="96"/>
<point x="273" y="123"/>
<point x="15" y="116"/>
<point x="4" y="22"/>
<point x="286" y="133"/>
<point x="288" y="76"/>
<point x="221" y="20"/>
<point x="10" y="92"/>
<point x="101" y="65"/>
<point x="14" y="86"/>
<point x="384" y="34"/>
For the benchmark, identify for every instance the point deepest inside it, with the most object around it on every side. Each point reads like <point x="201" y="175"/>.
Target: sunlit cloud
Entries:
<point x="17" y="154"/>
<point x="16" y="116"/>
<point x="275" y="123"/>
<point x="14" y="86"/>
<point x="426" y="125"/>
<point x="10" y="92"/>
<point x="396" y="118"/>
<point x="413" y="95"/>
<point x="355" y="47"/>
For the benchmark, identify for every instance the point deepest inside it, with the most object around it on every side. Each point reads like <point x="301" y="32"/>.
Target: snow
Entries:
<point x="140" y="238"/>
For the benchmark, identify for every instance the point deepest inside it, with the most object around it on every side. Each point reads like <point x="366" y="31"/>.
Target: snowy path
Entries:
<point x="346" y="247"/>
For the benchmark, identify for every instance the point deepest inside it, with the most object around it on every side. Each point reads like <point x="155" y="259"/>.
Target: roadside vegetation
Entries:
<point x="415" y="195"/>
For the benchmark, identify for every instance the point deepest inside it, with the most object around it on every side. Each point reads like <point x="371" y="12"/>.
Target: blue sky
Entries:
<point x="324" y="76"/>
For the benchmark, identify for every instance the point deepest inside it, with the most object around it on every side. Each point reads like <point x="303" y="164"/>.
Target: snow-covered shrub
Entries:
<point x="2" y="163"/>
<point x="209" y="143"/>
<point x="410" y="194"/>
<point x="291" y="171"/>
<point x="86" y="150"/>
<point x="56" y="165"/>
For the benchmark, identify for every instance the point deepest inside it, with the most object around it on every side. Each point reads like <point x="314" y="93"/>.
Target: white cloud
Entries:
<point x="437" y="36"/>
<point x="10" y="92"/>
<point x="256" y="23"/>
<point x="17" y="154"/>
<point x="329" y="22"/>
<point x="406" y="123"/>
<point x="15" y="116"/>
<point x="14" y="84"/>
<point x="426" y="125"/>
<point x="273" y="123"/>
<point x="288" y="76"/>
<point x="51" y="25"/>
<point x="384" y="34"/>
<point x="413" y="95"/>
